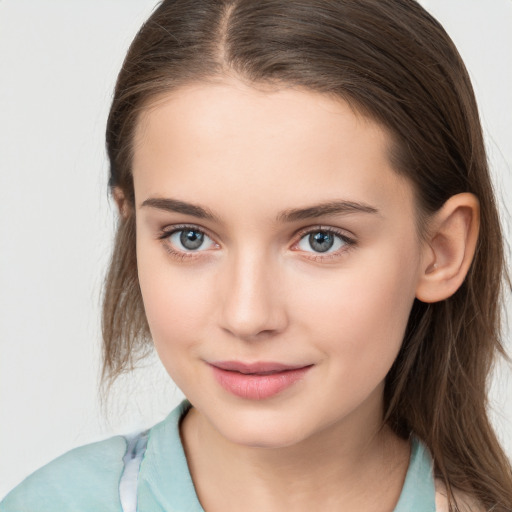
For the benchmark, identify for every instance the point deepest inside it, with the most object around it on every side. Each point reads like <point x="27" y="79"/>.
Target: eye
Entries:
<point x="189" y="239"/>
<point x="323" y="241"/>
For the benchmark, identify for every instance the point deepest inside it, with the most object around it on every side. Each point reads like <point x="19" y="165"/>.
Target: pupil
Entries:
<point x="321" y="241"/>
<point x="191" y="239"/>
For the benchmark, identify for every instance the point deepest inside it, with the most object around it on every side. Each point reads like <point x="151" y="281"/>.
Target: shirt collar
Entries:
<point x="165" y="480"/>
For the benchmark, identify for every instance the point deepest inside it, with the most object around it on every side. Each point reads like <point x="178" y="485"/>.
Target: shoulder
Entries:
<point x="85" y="478"/>
<point x="465" y="502"/>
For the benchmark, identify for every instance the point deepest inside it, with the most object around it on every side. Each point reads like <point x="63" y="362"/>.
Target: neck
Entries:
<point x="357" y="464"/>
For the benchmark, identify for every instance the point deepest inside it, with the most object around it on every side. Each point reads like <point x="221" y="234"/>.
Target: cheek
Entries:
<point x="361" y="313"/>
<point x="176" y="309"/>
<point x="176" y="302"/>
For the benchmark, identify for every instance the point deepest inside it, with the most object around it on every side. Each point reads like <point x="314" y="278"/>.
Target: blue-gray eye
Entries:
<point x="321" y="241"/>
<point x="190" y="239"/>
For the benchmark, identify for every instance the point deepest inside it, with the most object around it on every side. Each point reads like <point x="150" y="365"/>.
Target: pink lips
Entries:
<point x="256" y="381"/>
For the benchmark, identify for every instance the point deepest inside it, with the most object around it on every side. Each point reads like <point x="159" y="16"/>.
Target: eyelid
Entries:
<point x="349" y="239"/>
<point x="343" y="233"/>
<point x="166" y="232"/>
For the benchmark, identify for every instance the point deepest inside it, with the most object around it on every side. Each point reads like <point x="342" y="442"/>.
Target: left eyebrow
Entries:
<point x="329" y="208"/>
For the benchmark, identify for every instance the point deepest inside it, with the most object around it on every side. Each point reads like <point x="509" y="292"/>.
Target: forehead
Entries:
<point x="284" y="145"/>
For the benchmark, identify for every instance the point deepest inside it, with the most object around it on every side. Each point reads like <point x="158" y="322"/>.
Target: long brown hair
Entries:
<point x="395" y="63"/>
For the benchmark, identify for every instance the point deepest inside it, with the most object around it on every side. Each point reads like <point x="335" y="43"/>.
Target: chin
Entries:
<point x="264" y="438"/>
<point x="262" y="431"/>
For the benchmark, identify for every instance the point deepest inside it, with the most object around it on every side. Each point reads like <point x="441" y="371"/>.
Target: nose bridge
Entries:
<point x="252" y="306"/>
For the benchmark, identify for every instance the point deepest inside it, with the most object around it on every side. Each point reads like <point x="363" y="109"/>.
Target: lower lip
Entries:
<point x="258" y="387"/>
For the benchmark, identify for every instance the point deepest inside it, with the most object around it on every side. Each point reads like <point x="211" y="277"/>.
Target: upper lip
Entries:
<point x="261" y="367"/>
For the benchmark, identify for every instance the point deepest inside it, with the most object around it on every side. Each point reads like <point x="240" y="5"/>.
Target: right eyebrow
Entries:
<point x="174" y="205"/>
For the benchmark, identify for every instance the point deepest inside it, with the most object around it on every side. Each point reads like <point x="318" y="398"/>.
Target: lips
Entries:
<point x="254" y="368"/>
<point x="257" y="381"/>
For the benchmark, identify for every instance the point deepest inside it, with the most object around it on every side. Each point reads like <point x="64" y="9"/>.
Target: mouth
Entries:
<point x="257" y="381"/>
<point x="259" y="368"/>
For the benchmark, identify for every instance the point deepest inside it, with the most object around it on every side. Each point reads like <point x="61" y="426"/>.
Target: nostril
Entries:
<point x="251" y="334"/>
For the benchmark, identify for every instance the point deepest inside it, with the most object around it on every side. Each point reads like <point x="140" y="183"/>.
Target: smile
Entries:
<point x="256" y="381"/>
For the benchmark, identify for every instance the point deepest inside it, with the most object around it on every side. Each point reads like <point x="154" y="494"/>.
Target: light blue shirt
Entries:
<point x="87" y="479"/>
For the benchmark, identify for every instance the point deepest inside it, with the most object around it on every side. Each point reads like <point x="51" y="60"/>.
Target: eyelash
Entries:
<point x="349" y="243"/>
<point x="166" y="233"/>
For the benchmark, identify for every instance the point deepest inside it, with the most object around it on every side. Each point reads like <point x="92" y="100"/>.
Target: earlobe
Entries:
<point x="121" y="202"/>
<point x="449" y="249"/>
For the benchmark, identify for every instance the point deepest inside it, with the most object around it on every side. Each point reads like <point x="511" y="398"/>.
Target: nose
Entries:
<point x="253" y="305"/>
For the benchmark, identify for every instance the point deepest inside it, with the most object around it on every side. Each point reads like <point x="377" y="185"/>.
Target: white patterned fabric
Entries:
<point x="135" y="450"/>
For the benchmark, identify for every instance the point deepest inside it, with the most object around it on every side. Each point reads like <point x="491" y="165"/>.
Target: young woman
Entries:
<point x="308" y="236"/>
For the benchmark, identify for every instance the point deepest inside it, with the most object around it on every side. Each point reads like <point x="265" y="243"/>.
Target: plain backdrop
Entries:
<point x="58" y="63"/>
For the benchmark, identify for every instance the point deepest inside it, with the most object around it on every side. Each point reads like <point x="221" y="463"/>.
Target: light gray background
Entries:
<point x="58" y="63"/>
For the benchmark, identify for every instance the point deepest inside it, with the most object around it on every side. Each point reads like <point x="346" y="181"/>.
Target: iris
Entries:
<point x="191" y="239"/>
<point x="321" y="241"/>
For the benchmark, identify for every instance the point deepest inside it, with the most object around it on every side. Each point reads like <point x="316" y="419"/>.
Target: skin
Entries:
<point x="256" y="290"/>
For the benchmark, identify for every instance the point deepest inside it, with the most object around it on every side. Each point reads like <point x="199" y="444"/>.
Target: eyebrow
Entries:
<point x="329" y="208"/>
<point x="290" y="215"/>
<point x="174" y="205"/>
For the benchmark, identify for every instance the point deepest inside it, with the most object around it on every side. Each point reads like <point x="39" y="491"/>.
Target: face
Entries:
<point x="278" y="258"/>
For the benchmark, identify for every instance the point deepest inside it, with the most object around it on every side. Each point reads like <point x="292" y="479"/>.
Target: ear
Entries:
<point x="122" y="203"/>
<point x="449" y="248"/>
